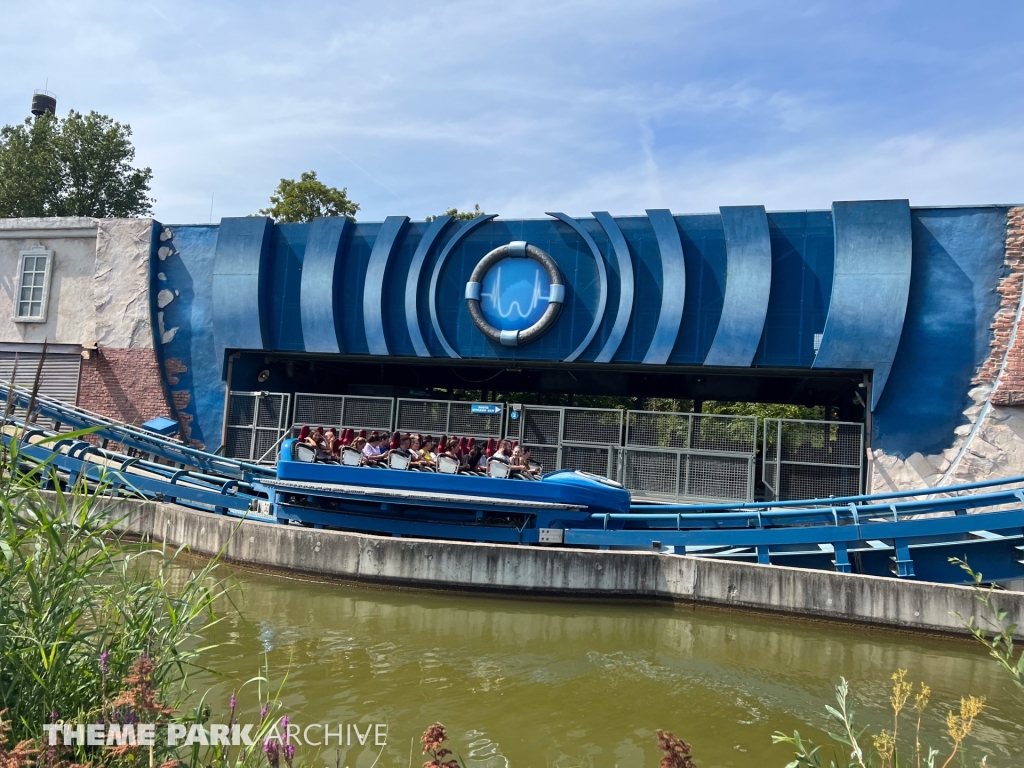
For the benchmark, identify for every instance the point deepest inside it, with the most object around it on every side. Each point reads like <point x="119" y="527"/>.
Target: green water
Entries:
<point x="538" y="683"/>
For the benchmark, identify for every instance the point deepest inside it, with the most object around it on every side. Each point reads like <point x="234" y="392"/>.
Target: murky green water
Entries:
<point x="539" y="683"/>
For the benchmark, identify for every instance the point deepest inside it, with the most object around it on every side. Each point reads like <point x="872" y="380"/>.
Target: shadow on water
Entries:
<point x="544" y="683"/>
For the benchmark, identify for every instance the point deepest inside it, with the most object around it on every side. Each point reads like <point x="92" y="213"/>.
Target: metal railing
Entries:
<point x="812" y="459"/>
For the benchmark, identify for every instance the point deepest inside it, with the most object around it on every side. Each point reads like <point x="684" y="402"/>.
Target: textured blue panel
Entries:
<point x="239" y="284"/>
<point x="747" y="287"/>
<point x="625" y="265"/>
<point x="284" y="278"/>
<point x="373" y="287"/>
<point x="958" y="262"/>
<point x="602" y="300"/>
<point x="705" y="262"/>
<point x="412" y="283"/>
<point x="869" y="288"/>
<point x="673" y="287"/>
<point x="319" y="283"/>
<point x="434" y="320"/>
<point x="803" y="259"/>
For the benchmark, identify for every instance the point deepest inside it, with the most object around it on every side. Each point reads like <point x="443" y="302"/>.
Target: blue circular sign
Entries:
<point x="514" y="294"/>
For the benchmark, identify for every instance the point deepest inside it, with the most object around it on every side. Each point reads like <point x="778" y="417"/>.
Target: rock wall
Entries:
<point x="990" y="441"/>
<point x="121" y="283"/>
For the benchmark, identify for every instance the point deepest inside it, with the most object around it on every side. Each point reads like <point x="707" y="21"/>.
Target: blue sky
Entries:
<point x="526" y="107"/>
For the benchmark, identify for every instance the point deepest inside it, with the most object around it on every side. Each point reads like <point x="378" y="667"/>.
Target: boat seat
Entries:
<point x="498" y="469"/>
<point x="306" y="453"/>
<point x="350" y="457"/>
<point x="398" y="461"/>
<point x="446" y="465"/>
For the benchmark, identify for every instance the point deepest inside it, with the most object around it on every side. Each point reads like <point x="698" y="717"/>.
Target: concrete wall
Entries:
<point x="542" y="571"/>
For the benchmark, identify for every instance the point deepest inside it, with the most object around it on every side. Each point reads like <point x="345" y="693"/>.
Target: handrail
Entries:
<point x="128" y="435"/>
<point x="936" y="491"/>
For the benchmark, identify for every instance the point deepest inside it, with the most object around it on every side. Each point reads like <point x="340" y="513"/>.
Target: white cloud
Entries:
<point x="532" y="106"/>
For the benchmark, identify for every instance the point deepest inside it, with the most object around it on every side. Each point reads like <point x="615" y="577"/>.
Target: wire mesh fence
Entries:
<point x="257" y="422"/>
<point x="812" y="459"/>
<point x="343" y="412"/>
<point x="450" y="417"/>
<point x="671" y="455"/>
<point x="690" y="455"/>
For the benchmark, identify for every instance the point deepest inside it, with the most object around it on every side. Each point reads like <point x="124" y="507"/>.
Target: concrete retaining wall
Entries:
<point x="543" y="571"/>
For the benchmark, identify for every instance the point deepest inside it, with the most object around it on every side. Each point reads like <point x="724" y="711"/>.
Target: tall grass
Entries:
<point x="80" y="605"/>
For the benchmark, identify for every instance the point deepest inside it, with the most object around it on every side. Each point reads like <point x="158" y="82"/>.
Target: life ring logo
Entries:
<point x="515" y="293"/>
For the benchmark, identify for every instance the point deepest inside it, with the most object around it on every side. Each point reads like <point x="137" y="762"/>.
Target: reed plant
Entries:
<point x="89" y="620"/>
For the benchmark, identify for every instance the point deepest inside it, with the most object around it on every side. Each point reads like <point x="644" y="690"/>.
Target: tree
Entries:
<point x="79" y="166"/>
<point x="458" y="215"/>
<point x="307" y="199"/>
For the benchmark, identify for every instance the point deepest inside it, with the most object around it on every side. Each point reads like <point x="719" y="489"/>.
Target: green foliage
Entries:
<point x="308" y="199"/>
<point x="458" y="215"/>
<point x="81" y="165"/>
<point x="764" y="410"/>
<point x="81" y="608"/>
<point x="993" y="630"/>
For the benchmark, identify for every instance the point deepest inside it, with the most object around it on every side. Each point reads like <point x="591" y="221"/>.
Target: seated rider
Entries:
<point x="521" y="463"/>
<point x="504" y="452"/>
<point x="428" y="450"/>
<point x="421" y="458"/>
<point x="373" y="456"/>
<point x="359" y="444"/>
<point x="404" y="448"/>
<point x="474" y="462"/>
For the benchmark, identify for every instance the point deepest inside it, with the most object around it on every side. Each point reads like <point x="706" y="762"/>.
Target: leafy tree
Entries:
<point x="455" y="213"/>
<point x="79" y="166"/>
<point x="307" y="199"/>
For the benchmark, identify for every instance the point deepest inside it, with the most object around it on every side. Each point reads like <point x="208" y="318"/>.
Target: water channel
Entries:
<point x="532" y="683"/>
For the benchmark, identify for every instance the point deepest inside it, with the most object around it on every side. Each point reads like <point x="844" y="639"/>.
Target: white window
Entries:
<point x="33" y="286"/>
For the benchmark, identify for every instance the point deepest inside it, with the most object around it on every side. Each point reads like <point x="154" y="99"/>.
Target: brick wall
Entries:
<point x="123" y="384"/>
<point x="1010" y="388"/>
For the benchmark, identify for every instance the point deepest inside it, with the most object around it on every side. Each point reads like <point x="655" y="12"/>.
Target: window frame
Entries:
<point x="44" y="303"/>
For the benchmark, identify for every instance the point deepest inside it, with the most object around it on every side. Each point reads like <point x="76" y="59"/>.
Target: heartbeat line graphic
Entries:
<point x="514" y="306"/>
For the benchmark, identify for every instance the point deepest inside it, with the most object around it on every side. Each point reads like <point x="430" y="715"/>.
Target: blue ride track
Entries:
<point x="910" y="534"/>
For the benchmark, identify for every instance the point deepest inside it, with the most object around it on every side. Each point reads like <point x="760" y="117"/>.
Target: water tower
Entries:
<point x="43" y="102"/>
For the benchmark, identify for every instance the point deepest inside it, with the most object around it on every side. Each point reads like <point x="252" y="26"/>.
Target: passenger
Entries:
<point x="330" y="438"/>
<point x="323" y="452"/>
<point x="373" y="456"/>
<point x="420" y="458"/>
<point x="428" y="454"/>
<point x="451" y="449"/>
<point x="504" y="452"/>
<point x="359" y="444"/>
<point x="474" y="462"/>
<point x="308" y="437"/>
<point x="521" y="468"/>
<point x="404" y="449"/>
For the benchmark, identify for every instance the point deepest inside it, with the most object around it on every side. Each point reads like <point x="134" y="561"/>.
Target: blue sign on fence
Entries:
<point x="486" y="408"/>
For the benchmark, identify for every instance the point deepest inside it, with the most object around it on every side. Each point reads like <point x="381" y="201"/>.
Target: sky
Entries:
<point x="525" y="107"/>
